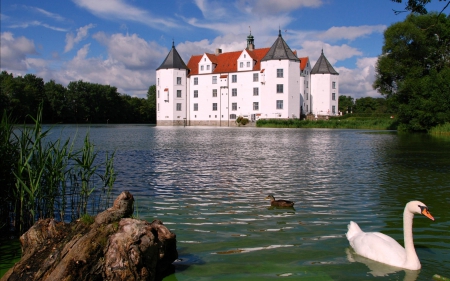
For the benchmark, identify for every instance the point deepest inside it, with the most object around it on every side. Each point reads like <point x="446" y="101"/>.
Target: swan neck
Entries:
<point x="411" y="255"/>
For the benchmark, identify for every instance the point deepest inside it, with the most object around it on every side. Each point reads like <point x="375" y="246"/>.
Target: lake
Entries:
<point x="208" y="185"/>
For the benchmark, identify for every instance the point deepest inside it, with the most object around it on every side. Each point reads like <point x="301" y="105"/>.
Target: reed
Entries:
<point x="51" y="179"/>
<point x="440" y="130"/>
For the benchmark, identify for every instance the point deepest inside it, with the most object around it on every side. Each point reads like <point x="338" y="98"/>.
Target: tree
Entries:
<point x="345" y="104"/>
<point x="413" y="72"/>
<point x="418" y="6"/>
<point x="151" y="98"/>
<point x="56" y="99"/>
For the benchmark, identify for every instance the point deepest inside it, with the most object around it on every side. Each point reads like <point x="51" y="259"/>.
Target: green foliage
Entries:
<point x="87" y="219"/>
<point x="8" y="160"/>
<point x="242" y="121"/>
<point x="80" y="102"/>
<point x="418" y="6"/>
<point x="440" y="130"/>
<point x="413" y="71"/>
<point x="45" y="179"/>
<point x="371" y="123"/>
<point x="345" y="103"/>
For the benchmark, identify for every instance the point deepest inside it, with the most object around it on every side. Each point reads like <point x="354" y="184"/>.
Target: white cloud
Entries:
<point x="131" y="51"/>
<point x="349" y="32"/>
<point x="213" y="10"/>
<point x="312" y="49"/>
<point x="48" y="14"/>
<point x="82" y="33"/>
<point x="130" y="65"/>
<point x="36" y="23"/>
<point x="358" y="82"/>
<point x="14" y="52"/>
<point x="269" y="7"/>
<point x="119" y="9"/>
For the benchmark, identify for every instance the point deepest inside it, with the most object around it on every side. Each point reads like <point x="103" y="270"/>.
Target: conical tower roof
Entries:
<point x="280" y="51"/>
<point x="323" y="66"/>
<point x="173" y="60"/>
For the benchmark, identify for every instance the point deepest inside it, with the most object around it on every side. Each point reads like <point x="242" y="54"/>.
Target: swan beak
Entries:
<point x="426" y="213"/>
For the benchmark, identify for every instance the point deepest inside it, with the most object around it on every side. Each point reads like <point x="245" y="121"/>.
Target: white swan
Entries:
<point x="382" y="248"/>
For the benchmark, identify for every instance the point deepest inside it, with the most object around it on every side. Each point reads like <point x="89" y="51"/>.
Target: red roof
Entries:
<point x="303" y="62"/>
<point x="227" y="62"/>
<point x="193" y="64"/>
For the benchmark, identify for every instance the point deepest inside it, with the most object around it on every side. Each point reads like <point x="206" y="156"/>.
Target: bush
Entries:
<point x="242" y="121"/>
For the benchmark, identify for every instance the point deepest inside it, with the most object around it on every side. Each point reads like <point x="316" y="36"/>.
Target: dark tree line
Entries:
<point x="79" y="102"/>
<point x="366" y="105"/>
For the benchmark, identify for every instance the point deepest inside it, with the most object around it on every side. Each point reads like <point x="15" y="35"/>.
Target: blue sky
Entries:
<point x="122" y="42"/>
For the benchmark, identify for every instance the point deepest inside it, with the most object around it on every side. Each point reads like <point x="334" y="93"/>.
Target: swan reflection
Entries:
<point x="378" y="269"/>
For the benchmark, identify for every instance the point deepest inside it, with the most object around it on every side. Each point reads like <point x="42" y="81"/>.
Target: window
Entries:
<point x="178" y="93"/>
<point x="333" y="109"/>
<point x="178" y="106"/>
<point x="207" y="67"/>
<point x="241" y="64"/>
<point x="178" y="80"/>
<point x="248" y="64"/>
<point x="195" y="93"/>
<point x="195" y="106"/>
<point x="255" y="77"/>
<point x="201" y="68"/>
<point x="255" y="106"/>
<point x="279" y="73"/>
<point x="279" y="88"/>
<point x="306" y="108"/>
<point x="234" y="106"/>
<point x="306" y="84"/>
<point x="333" y="96"/>
<point x="279" y="104"/>
<point x="233" y="78"/>
<point x="196" y="81"/>
<point x="333" y="85"/>
<point x="214" y="79"/>
<point x="234" y="92"/>
<point x="214" y="93"/>
<point x="214" y="107"/>
<point x="232" y="116"/>
<point x="256" y="91"/>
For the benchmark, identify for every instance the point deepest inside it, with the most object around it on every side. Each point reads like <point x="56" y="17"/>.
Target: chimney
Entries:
<point x="218" y="51"/>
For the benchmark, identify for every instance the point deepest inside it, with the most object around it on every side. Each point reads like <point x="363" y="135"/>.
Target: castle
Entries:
<point x="215" y="89"/>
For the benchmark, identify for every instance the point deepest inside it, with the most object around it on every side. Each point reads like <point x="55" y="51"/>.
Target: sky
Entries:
<point x="122" y="42"/>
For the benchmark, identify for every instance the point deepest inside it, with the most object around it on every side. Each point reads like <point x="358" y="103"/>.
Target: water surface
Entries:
<point x="208" y="186"/>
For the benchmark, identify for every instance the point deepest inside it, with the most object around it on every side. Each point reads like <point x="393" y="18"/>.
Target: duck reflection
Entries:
<point x="282" y="208"/>
<point x="380" y="269"/>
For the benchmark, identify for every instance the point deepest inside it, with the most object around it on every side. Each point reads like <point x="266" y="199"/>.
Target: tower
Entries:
<point x="324" y="88"/>
<point x="281" y="68"/>
<point x="171" y="90"/>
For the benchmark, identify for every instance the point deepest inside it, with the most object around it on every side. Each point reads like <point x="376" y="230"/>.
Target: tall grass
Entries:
<point x="51" y="179"/>
<point x="440" y="130"/>
<point x="333" y="123"/>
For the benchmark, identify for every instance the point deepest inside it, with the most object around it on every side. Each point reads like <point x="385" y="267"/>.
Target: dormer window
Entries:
<point x="204" y="59"/>
<point x="207" y="67"/>
<point x="241" y="64"/>
<point x="248" y="64"/>
<point x="245" y="56"/>
<point x="201" y="68"/>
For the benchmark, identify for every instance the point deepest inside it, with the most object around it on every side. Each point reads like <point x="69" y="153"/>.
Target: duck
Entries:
<point x="383" y="248"/>
<point x="279" y="203"/>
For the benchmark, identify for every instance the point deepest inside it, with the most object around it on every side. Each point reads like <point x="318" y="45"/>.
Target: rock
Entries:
<point x="114" y="247"/>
